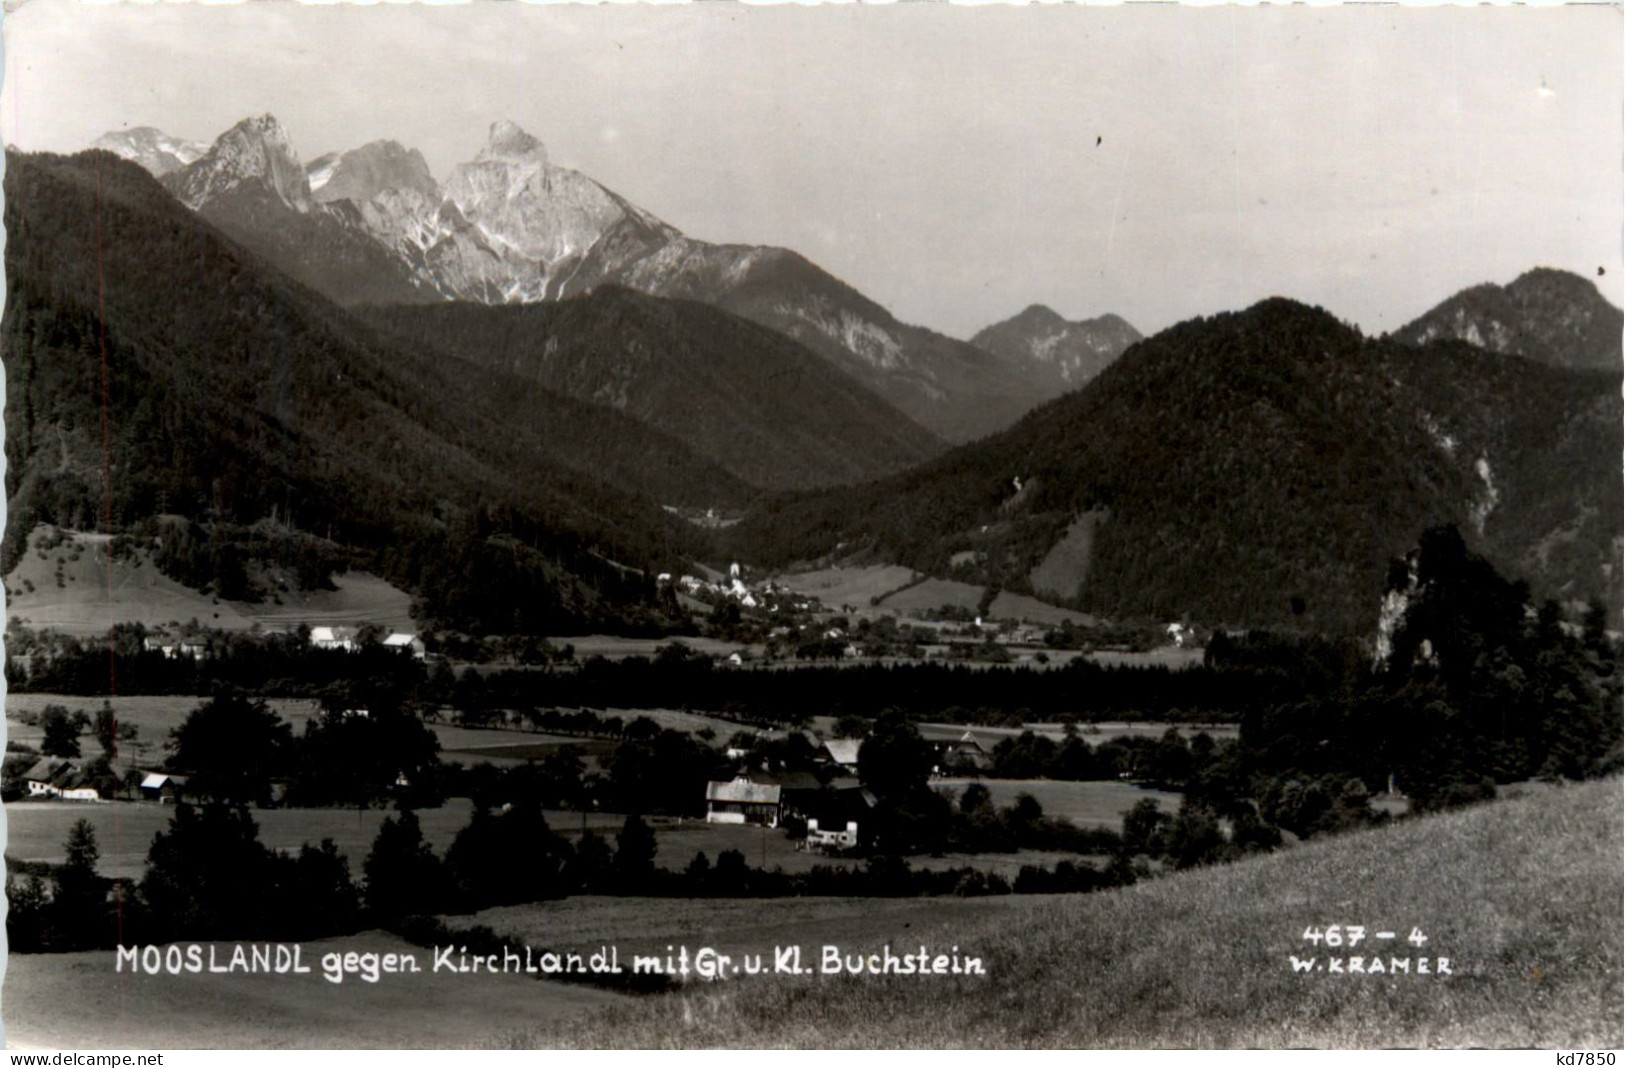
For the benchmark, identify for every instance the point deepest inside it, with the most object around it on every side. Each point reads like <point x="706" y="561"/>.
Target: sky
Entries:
<point x="954" y="163"/>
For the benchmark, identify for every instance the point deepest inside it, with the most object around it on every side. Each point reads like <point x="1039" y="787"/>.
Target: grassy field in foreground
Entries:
<point x="78" y="1001"/>
<point x="740" y="925"/>
<point x="68" y="1000"/>
<point x="1522" y="895"/>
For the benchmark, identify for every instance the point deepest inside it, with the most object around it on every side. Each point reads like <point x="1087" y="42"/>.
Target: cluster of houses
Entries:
<point x="177" y="648"/>
<point x="834" y="639"/>
<point x="833" y="807"/>
<point x="831" y="811"/>
<point x="60" y="778"/>
<point x="345" y="639"/>
<point x="348" y="640"/>
<point x="65" y="779"/>
<point x="766" y="595"/>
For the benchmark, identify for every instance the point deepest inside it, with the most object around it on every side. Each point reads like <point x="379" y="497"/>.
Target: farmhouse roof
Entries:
<point x="155" y="780"/>
<point x="47" y="769"/>
<point x="400" y="639"/>
<point x="743" y="791"/>
<point x="789" y="780"/>
<point x="844" y="750"/>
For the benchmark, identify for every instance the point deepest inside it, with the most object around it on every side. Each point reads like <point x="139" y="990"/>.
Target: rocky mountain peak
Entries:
<point x="507" y="141"/>
<point x="255" y="148"/>
<point x="364" y="173"/>
<point x="1065" y="354"/>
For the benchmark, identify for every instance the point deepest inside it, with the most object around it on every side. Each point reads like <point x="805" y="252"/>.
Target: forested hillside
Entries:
<point x="1254" y="468"/>
<point x="747" y="398"/>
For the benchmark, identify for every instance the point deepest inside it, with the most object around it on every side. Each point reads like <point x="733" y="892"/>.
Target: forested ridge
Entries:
<point x="1257" y="468"/>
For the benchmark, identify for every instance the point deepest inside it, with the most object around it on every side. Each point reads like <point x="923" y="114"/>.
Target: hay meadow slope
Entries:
<point x="1523" y="895"/>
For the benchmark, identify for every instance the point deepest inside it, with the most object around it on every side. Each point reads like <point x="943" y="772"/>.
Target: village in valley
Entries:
<point x="799" y="778"/>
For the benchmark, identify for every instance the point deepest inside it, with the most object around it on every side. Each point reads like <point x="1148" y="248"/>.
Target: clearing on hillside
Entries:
<point x="65" y="582"/>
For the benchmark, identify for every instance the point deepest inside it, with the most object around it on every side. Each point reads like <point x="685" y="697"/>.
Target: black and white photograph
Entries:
<point x="695" y="526"/>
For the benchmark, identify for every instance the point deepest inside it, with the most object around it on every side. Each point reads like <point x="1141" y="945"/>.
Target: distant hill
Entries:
<point x="1254" y="468"/>
<point x="1041" y="343"/>
<point x="371" y="225"/>
<point x="234" y="395"/>
<point x="748" y="399"/>
<point x="1552" y="316"/>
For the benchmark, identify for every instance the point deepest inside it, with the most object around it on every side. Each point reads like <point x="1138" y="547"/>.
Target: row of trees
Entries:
<point x="208" y="876"/>
<point x="285" y="665"/>
<point x="234" y="748"/>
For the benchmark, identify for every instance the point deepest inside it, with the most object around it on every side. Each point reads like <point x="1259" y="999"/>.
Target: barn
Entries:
<point x="409" y="643"/>
<point x="967" y="753"/>
<point x="844" y="751"/>
<point x="835" y="816"/>
<point x="742" y="801"/>
<point x="162" y="787"/>
<point x="341" y="638"/>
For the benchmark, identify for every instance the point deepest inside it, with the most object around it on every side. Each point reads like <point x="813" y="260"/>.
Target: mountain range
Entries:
<point x="372" y="225"/>
<point x="500" y="388"/>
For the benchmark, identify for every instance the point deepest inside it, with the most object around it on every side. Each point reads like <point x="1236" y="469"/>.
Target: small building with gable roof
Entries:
<point x="742" y="801"/>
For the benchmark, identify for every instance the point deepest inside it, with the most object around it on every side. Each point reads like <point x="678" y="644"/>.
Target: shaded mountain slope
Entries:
<point x="252" y="186"/>
<point x="747" y="398"/>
